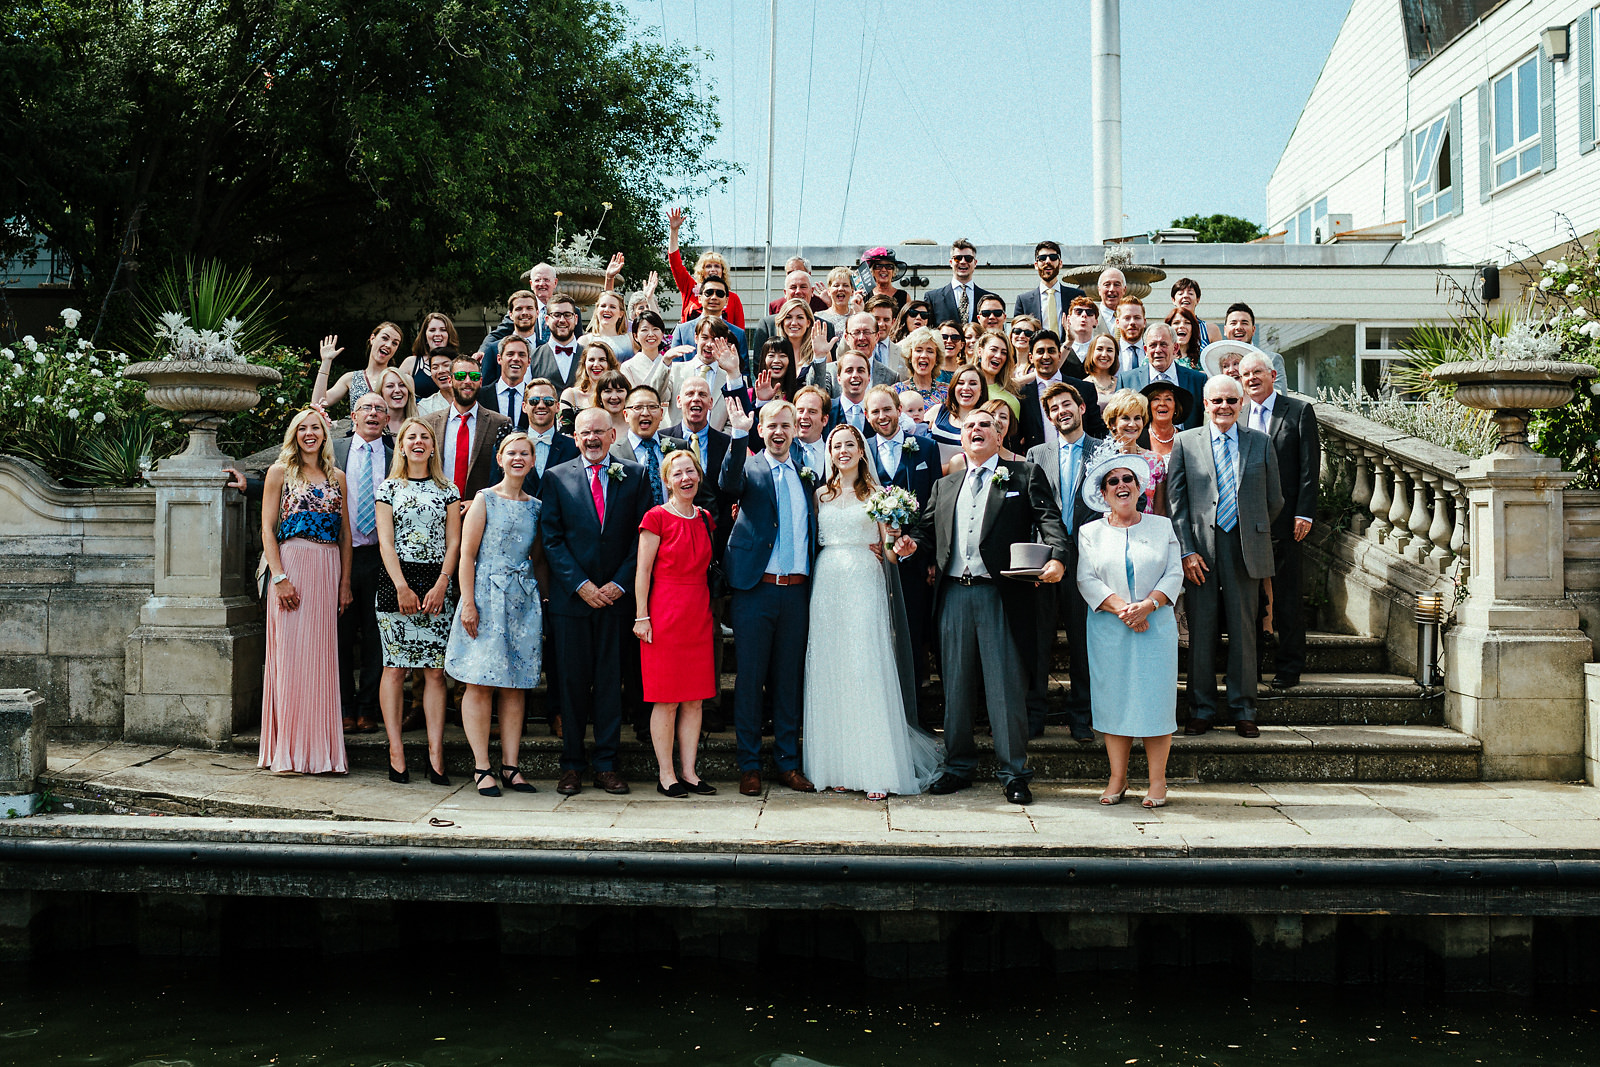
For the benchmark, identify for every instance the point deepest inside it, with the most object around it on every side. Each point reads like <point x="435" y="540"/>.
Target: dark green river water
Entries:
<point x="365" y="1013"/>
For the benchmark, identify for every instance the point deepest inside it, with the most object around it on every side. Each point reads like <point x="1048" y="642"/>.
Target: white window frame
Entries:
<point x="1301" y="227"/>
<point x="1385" y="352"/>
<point x="1430" y="140"/>
<point x="1518" y="150"/>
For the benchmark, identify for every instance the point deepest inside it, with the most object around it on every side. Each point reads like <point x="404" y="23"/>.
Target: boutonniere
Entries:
<point x="1002" y="476"/>
<point x="615" y="472"/>
<point x="807" y="475"/>
<point x="669" y="445"/>
<point x="910" y="445"/>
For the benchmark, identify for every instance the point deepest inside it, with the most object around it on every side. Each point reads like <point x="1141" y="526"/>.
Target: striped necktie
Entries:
<point x="1227" y="484"/>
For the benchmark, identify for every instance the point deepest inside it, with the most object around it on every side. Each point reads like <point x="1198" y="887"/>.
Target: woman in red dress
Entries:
<point x="674" y="623"/>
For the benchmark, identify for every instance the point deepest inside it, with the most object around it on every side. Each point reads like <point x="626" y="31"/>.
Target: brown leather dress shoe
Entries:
<point x="796" y="781"/>
<point x="1196" y="727"/>
<point x="569" y="784"/>
<point x="611" y="782"/>
<point x="750" y="784"/>
<point x="1247" y="728"/>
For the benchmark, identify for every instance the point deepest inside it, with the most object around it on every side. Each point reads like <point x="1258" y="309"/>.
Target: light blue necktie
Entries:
<point x="786" y="520"/>
<point x="805" y="454"/>
<point x="366" y="510"/>
<point x="1227" y="485"/>
<point x="1069" y="482"/>
<point x="541" y="455"/>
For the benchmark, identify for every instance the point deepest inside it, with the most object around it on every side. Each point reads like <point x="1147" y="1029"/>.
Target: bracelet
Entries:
<point x="643" y="618"/>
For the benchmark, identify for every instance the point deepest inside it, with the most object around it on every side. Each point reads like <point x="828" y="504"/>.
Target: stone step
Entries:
<point x="1280" y="754"/>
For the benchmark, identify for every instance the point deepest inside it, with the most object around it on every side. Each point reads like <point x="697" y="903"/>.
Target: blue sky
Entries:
<point x="975" y="117"/>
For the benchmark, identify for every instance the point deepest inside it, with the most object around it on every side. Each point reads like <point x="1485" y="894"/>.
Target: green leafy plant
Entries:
<point x="211" y="297"/>
<point x="254" y="429"/>
<point x="1435" y="418"/>
<point x="1430" y="346"/>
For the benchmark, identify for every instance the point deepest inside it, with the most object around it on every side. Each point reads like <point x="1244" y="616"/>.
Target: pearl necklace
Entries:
<point x="675" y="511"/>
<point x="1164" y="440"/>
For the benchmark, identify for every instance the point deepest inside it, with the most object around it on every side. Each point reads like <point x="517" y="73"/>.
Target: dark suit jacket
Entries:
<point x="1012" y="514"/>
<point x="918" y="469"/>
<point x="945" y="305"/>
<point x="1032" y="417"/>
<point x="1028" y="303"/>
<point x="489" y="400"/>
<point x="1192" y="380"/>
<point x="578" y="547"/>
<point x="1298" y="445"/>
<point x="544" y="365"/>
<point x="755" y="531"/>
<point x="341" y="452"/>
<point x="481" y="468"/>
<point x="710" y="496"/>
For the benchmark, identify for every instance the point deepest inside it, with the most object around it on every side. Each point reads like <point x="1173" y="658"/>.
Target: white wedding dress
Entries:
<point x="856" y="734"/>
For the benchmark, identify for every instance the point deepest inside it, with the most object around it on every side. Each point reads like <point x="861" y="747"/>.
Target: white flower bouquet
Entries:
<point x="894" y="507"/>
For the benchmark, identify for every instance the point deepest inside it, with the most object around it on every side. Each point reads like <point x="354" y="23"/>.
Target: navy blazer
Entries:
<point x="1192" y="380"/>
<point x="1028" y="302"/>
<point x="578" y="548"/>
<point x="945" y="305"/>
<point x="562" y="448"/>
<point x="489" y="400"/>
<point x="755" y="531"/>
<point x="1032" y="417"/>
<point x="918" y="469"/>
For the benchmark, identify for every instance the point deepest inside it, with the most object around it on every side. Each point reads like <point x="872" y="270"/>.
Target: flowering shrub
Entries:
<point x="69" y="409"/>
<point x="1566" y="299"/>
<point x="1435" y="418"/>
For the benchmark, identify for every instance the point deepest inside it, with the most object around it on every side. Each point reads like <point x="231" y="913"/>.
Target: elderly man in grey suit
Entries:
<point x="1223" y="493"/>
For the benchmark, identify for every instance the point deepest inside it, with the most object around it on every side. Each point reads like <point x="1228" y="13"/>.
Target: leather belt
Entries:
<point x="971" y="579"/>
<point x="784" y="579"/>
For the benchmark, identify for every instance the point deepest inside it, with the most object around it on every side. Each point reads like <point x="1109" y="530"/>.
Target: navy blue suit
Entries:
<point x="588" y="641"/>
<point x="770" y="622"/>
<point x="918" y="470"/>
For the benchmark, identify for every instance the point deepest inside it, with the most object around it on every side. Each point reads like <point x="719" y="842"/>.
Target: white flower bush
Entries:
<point x="1524" y="342"/>
<point x="184" y="342"/>
<point x="1435" y="418"/>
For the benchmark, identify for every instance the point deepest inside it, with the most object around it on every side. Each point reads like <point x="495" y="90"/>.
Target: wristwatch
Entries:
<point x="282" y="577"/>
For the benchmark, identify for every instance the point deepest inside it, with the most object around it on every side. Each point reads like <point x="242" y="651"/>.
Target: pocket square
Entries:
<point x="1012" y="494"/>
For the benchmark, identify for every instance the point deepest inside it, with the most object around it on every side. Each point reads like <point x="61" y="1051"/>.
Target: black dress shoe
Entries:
<point x="701" y="788"/>
<point x="1284" y="681"/>
<point x="1195" y="727"/>
<point x="1247" y="728"/>
<point x="1083" y="739"/>
<point x="1017" y="792"/>
<point x="949" y="783"/>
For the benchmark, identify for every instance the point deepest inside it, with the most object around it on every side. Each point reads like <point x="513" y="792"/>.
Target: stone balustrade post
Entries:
<point x="22" y="751"/>
<point x="1361" y="491"/>
<point x="1515" y="658"/>
<point x="1379" y="500"/>
<point x="194" y="664"/>
<point x="1439" y="533"/>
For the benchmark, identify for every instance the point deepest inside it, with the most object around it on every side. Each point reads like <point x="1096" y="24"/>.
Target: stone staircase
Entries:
<point x="1349" y="720"/>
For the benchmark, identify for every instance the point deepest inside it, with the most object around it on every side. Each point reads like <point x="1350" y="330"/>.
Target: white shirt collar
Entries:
<point x="634" y="440"/>
<point x="774" y="463"/>
<point x="991" y="464"/>
<point x="1232" y="433"/>
<point x="1266" y="405"/>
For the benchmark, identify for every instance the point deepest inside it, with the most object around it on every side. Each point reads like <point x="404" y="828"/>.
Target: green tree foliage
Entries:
<point x="1219" y="229"/>
<point x="343" y="146"/>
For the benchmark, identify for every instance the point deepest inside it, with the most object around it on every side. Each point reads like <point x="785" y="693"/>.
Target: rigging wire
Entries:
<point x="805" y="136"/>
<point x="700" y="98"/>
<point x="863" y="87"/>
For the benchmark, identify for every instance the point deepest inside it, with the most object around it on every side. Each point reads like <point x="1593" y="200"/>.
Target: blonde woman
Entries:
<point x="841" y="288"/>
<point x="419" y="537"/>
<point x="609" y="326"/>
<point x="1127" y="416"/>
<point x="994" y="356"/>
<point x="305" y="539"/>
<point x="400" y="396"/>
<point x="382" y="346"/>
<point x="924" y="353"/>
<point x="495" y="644"/>
<point x="1021" y="332"/>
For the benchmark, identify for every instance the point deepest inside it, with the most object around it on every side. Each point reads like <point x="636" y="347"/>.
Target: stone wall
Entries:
<point x="76" y="566"/>
<point x="1582" y="557"/>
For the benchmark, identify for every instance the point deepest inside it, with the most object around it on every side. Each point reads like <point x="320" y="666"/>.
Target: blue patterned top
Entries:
<point x="313" y="510"/>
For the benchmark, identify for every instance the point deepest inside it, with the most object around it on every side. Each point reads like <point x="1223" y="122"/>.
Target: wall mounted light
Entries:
<point x="1554" y="39"/>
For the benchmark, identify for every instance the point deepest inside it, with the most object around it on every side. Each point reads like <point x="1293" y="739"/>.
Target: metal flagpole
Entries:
<point x="772" y="110"/>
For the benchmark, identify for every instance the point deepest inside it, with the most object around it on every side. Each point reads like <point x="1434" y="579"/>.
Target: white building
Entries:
<point x="1459" y="122"/>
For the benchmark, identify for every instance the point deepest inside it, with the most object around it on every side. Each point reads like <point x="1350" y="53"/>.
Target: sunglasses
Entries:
<point x="1223" y="401"/>
<point x="1022" y="333"/>
<point x="916" y="314"/>
<point x="468" y="375"/>
<point x="1126" y="479"/>
<point x="1047" y="257"/>
<point x="992" y="313"/>
<point x="953" y="338"/>
<point x="541" y="401"/>
<point x="713" y="292"/>
<point x="963" y="259"/>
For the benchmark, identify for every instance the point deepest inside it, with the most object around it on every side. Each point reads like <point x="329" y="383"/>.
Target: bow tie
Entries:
<point x="565" y="350"/>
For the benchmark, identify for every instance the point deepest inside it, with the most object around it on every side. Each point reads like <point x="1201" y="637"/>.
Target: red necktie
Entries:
<point x="599" y="493"/>
<point x="463" y="456"/>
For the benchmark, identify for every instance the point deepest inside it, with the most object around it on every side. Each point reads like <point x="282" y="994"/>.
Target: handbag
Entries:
<point x="716" y="577"/>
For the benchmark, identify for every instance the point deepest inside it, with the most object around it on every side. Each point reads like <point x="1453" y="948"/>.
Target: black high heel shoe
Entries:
<point x="479" y="774"/>
<point x="508" y="772"/>
<point x="399" y="777"/>
<point x="439" y="777"/>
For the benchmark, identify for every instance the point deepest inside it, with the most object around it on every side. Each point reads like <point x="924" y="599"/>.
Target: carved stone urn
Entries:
<point x="205" y="393"/>
<point x="1511" y="389"/>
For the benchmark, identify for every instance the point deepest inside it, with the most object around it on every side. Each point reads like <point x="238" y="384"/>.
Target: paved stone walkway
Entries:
<point x="221" y="795"/>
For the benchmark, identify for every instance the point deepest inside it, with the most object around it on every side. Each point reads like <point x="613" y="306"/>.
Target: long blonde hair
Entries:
<point x="802" y="354"/>
<point x="866" y="482"/>
<point x="400" y="468"/>
<point x="411" y="390"/>
<point x="289" y="454"/>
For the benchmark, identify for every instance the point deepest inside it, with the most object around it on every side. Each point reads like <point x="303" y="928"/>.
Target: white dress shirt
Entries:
<point x="510" y="397"/>
<point x="564" y="362"/>
<point x="1169" y="375"/>
<point x="1125" y="353"/>
<point x="965" y="557"/>
<point x="1261" y="414"/>
<point x="1050" y="434"/>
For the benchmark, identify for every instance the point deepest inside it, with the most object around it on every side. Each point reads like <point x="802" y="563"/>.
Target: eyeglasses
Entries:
<point x="963" y="259"/>
<point x="1047" y="257"/>
<point x="1126" y="479"/>
<point x="992" y="313"/>
<point x="561" y="314"/>
<point x="864" y="332"/>
<point x="468" y="375"/>
<point x="542" y="401"/>
<point x="1223" y="401"/>
<point x="644" y="409"/>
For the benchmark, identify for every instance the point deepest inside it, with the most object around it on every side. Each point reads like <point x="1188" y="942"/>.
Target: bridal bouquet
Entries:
<point x="894" y="507"/>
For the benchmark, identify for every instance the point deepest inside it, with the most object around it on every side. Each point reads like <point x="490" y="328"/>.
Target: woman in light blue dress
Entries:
<point x="495" y="640"/>
<point x="1130" y="570"/>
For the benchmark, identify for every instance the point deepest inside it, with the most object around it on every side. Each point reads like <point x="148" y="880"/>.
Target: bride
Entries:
<point x="857" y="735"/>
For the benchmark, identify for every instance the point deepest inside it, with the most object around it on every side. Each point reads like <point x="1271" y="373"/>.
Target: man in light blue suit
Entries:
<point x="1161" y="348"/>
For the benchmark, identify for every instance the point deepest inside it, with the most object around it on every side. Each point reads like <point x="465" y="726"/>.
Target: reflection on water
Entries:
<point x="418" y="1012"/>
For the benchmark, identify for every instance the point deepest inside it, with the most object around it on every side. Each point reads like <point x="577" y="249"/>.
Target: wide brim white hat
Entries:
<point x="1211" y="355"/>
<point x="1103" y="464"/>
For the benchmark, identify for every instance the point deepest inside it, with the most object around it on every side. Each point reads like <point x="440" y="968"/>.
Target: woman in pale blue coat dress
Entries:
<point x="494" y="643"/>
<point x="1130" y="571"/>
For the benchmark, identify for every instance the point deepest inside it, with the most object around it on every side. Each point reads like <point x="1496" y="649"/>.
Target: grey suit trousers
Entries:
<point x="975" y="639"/>
<point x="1227" y="593"/>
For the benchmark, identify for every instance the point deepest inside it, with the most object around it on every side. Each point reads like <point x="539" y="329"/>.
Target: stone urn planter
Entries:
<point x="1510" y="389"/>
<point x="583" y="284"/>
<point x="205" y="393"/>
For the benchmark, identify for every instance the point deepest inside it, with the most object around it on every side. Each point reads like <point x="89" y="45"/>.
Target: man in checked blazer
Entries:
<point x="1223" y="493"/>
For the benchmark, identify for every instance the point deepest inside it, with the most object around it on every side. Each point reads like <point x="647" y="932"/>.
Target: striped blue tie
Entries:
<point x="366" y="510"/>
<point x="1227" y="484"/>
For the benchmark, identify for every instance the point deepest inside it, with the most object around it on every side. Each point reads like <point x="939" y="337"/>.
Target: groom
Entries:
<point x="768" y="562"/>
<point x="972" y="519"/>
